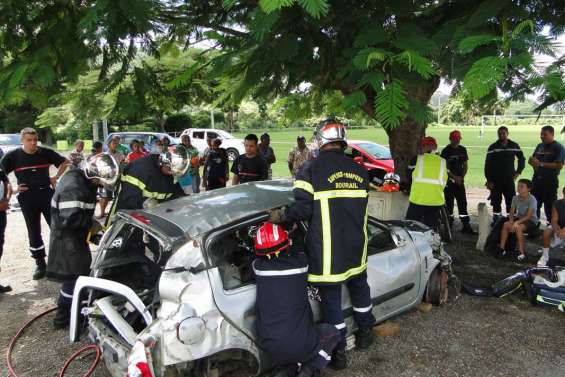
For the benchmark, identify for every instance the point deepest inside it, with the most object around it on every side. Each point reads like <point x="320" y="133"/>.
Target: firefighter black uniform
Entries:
<point x="285" y="322"/>
<point x="72" y="209"/>
<point x="143" y="179"/>
<point x="331" y="192"/>
<point x="546" y="181"/>
<point x="500" y="170"/>
<point x="456" y="158"/>
<point x="32" y="170"/>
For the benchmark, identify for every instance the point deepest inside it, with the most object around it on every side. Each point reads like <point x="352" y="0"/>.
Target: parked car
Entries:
<point x="148" y="137"/>
<point x="375" y="158"/>
<point x="9" y="142"/>
<point x="234" y="147"/>
<point x="171" y="288"/>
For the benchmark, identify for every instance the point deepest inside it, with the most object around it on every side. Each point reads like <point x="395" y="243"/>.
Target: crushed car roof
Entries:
<point x="201" y="213"/>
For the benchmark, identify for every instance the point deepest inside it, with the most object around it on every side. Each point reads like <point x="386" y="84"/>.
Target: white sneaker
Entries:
<point x="542" y="262"/>
<point x="521" y="257"/>
<point x="540" y="250"/>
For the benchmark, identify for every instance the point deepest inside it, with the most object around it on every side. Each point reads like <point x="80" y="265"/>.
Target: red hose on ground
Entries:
<point x="69" y="360"/>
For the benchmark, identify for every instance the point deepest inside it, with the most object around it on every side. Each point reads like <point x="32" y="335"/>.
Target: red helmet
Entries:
<point x="270" y="239"/>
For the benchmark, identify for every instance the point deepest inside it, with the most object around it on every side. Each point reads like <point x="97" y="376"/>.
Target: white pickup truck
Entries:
<point x="234" y="147"/>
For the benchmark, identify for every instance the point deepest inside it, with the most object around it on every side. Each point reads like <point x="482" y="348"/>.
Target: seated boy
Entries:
<point x="554" y="235"/>
<point x="285" y="323"/>
<point x="522" y="217"/>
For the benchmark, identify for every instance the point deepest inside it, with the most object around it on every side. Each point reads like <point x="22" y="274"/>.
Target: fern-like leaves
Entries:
<point x="391" y="104"/>
<point x="417" y="63"/>
<point x="484" y="75"/>
<point x="468" y="44"/>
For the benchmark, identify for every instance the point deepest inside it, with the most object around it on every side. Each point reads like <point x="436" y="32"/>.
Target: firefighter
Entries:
<point x="150" y="180"/>
<point x="500" y="171"/>
<point x="457" y="164"/>
<point x="331" y="192"/>
<point x="72" y="211"/>
<point x="285" y="322"/>
<point x="31" y="164"/>
<point x="429" y="176"/>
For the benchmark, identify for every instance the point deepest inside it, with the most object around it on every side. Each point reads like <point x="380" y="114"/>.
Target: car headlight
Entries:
<point x="191" y="330"/>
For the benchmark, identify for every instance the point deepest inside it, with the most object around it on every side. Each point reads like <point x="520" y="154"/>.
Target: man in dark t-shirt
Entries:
<point x="456" y="156"/>
<point x="31" y="164"/>
<point x="547" y="162"/>
<point x="249" y="167"/>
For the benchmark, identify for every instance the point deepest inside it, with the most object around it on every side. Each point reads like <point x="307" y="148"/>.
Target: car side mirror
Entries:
<point x="398" y="240"/>
<point x="358" y="159"/>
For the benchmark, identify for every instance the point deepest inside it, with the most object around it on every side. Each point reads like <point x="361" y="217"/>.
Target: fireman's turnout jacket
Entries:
<point x="142" y="179"/>
<point x="72" y="209"/>
<point x="331" y="192"/>
<point x="285" y="323"/>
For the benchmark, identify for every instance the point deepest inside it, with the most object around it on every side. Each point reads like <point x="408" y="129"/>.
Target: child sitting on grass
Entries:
<point x="522" y="217"/>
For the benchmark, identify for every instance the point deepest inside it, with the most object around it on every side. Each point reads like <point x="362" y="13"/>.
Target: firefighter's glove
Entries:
<point x="277" y="216"/>
<point x="150" y="203"/>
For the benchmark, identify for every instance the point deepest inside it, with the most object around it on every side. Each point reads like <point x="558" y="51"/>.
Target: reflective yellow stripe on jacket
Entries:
<point x="327" y="277"/>
<point x="428" y="180"/>
<point x="148" y="194"/>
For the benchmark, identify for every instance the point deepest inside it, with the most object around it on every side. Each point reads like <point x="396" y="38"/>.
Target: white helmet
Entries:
<point x="177" y="161"/>
<point x="104" y="167"/>
<point x="392" y="177"/>
<point x="330" y="131"/>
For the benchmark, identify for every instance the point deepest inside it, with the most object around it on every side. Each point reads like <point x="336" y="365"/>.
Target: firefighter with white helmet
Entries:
<point x="72" y="211"/>
<point x="331" y="192"/>
<point x="285" y="323"/>
<point x="151" y="179"/>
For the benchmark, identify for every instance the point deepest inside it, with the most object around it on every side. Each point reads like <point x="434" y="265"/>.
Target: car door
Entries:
<point x="394" y="268"/>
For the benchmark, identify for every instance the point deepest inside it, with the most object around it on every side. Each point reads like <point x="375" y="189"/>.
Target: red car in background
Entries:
<point x="375" y="158"/>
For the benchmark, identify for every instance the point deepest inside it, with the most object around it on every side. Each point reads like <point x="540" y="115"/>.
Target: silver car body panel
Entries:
<point x="205" y="212"/>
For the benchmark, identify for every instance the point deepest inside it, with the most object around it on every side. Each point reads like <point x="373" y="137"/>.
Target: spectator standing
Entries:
<point x="267" y="153"/>
<point x="249" y="167"/>
<point x="142" y="148"/>
<point x="97" y="148"/>
<point x="457" y="159"/>
<point x="31" y="164"/>
<point x="218" y="167"/>
<point x="135" y="152"/>
<point x="554" y="235"/>
<point x="190" y="182"/>
<point x="522" y="217"/>
<point x="106" y="193"/>
<point x="77" y="156"/>
<point x="157" y="147"/>
<point x="204" y="158"/>
<point x="298" y="155"/>
<point x="121" y="148"/>
<point x="500" y="171"/>
<point x="547" y="161"/>
<point x="5" y="195"/>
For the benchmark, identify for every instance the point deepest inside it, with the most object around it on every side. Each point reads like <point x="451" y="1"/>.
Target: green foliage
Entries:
<point x="484" y="75"/>
<point x="417" y="63"/>
<point x="355" y="99"/>
<point x="390" y="105"/>
<point x="468" y="44"/>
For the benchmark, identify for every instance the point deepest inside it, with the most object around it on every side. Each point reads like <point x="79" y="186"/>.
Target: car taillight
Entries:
<point x="139" y="361"/>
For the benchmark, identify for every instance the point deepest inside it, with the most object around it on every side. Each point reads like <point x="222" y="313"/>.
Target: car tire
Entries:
<point x="232" y="154"/>
<point x="437" y="290"/>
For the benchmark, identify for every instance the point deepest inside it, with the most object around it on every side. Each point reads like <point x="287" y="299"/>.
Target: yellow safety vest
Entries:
<point x="428" y="180"/>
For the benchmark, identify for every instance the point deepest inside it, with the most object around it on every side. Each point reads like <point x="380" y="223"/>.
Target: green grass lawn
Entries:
<point x="527" y="137"/>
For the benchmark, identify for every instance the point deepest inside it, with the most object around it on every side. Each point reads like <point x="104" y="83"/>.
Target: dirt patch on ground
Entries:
<point x="470" y="337"/>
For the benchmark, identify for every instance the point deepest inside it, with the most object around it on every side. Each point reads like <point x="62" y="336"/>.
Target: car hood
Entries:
<point x="202" y="213"/>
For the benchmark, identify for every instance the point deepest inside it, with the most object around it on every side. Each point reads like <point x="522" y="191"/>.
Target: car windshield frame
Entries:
<point x="368" y="148"/>
<point x="224" y="134"/>
<point x="13" y="139"/>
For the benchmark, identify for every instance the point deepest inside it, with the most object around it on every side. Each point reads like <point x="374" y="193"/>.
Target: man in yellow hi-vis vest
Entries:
<point x="429" y="177"/>
<point x="331" y="193"/>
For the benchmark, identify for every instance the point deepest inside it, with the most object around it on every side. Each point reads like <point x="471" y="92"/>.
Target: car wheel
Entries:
<point x="232" y="154"/>
<point x="437" y="290"/>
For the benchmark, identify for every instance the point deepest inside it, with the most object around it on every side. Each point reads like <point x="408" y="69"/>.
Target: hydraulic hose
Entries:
<point x="69" y="361"/>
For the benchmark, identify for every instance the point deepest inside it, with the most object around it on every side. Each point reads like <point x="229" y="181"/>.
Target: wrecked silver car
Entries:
<point x="171" y="292"/>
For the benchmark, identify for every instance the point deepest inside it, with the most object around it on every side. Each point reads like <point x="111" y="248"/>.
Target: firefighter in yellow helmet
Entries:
<point x="331" y="192"/>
